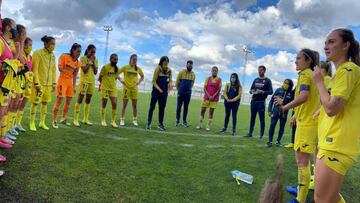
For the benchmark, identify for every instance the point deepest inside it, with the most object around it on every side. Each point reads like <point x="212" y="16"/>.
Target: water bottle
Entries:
<point x="243" y="176"/>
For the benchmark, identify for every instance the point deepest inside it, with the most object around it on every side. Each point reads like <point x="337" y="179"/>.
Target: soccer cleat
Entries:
<point x="290" y="145"/>
<point x="5" y="146"/>
<point x="248" y="135"/>
<point x="76" y="123"/>
<point x="19" y="128"/>
<point x="55" y="125"/>
<point x="103" y="123"/>
<point x="113" y="124"/>
<point x="32" y="127"/>
<point x="8" y="140"/>
<point x="278" y="144"/>
<point x="64" y="122"/>
<point x="148" y="127"/>
<point x="177" y="124"/>
<point x="208" y="128"/>
<point x="43" y="126"/>
<point x="2" y="172"/>
<point x="161" y="127"/>
<point x="11" y="137"/>
<point x="293" y="201"/>
<point x="223" y="130"/>
<point x="12" y="131"/>
<point x="2" y="159"/>
<point x="2" y="140"/>
<point x="260" y="139"/>
<point x="135" y="123"/>
<point x="185" y="125"/>
<point x="292" y="190"/>
<point x="269" y="144"/>
<point x="87" y="122"/>
<point x="198" y="126"/>
<point x="233" y="133"/>
<point x="122" y="122"/>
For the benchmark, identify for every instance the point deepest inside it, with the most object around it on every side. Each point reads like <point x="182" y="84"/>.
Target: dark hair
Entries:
<point x="163" y="59"/>
<point x="112" y="56"/>
<point x="327" y="66"/>
<point x="6" y="22"/>
<point x="237" y="82"/>
<point x="311" y="55"/>
<point x="190" y="61"/>
<point x="133" y="55"/>
<point x="348" y="36"/>
<point x="91" y="46"/>
<point x="291" y="83"/>
<point x="20" y="28"/>
<point x="263" y="67"/>
<point x="74" y="47"/>
<point x="46" y="39"/>
<point x="27" y="40"/>
<point x="215" y="67"/>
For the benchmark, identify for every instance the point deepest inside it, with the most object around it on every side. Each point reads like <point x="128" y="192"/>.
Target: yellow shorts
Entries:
<point x="340" y="163"/>
<point x="43" y="96"/>
<point x="209" y="104"/>
<point x="130" y="93"/>
<point x="306" y="139"/>
<point x="108" y="93"/>
<point x="4" y="99"/>
<point x="86" y="88"/>
<point x="27" y="92"/>
<point x="65" y="89"/>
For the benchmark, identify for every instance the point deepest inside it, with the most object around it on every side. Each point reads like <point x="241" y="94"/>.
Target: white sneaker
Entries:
<point x="2" y="172"/>
<point x="8" y="139"/>
<point x="198" y="126"/>
<point x="208" y="128"/>
<point x="11" y="137"/>
<point x="122" y="122"/>
<point x="12" y="131"/>
<point x="135" y="123"/>
<point x="19" y="128"/>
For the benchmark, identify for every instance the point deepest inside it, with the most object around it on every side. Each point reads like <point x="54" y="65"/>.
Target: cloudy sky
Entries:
<point x="209" y="32"/>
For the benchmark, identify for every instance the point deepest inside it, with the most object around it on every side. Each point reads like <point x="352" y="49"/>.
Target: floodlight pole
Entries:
<point x="107" y="29"/>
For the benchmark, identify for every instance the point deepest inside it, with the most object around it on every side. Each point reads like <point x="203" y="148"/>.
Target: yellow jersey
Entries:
<point x="340" y="133"/>
<point x="131" y="75"/>
<point x="44" y="67"/>
<point x="89" y="77"/>
<point x="108" y="77"/>
<point x="304" y="112"/>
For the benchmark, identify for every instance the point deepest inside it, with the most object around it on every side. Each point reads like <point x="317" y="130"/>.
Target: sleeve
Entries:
<point x="344" y="83"/>
<point x="61" y="63"/>
<point x="206" y="82"/>
<point x="193" y="80"/>
<point x="252" y="85"/>
<point x="170" y="76"/>
<point x="96" y="63"/>
<point x="83" y="61"/>
<point x="225" y="92"/>
<point x="178" y="80"/>
<point x="1" y="47"/>
<point x="35" y="67"/>
<point x="102" y="72"/>
<point x="53" y="71"/>
<point x="140" y="72"/>
<point x="305" y="82"/>
<point x="269" y="90"/>
<point x="220" y="84"/>
<point x="271" y="102"/>
<point x="239" y="94"/>
<point x="155" y="77"/>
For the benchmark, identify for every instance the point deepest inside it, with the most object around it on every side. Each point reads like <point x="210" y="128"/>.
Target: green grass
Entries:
<point x="95" y="164"/>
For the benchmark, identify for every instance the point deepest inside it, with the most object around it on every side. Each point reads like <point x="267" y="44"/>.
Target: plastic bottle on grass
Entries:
<point x="243" y="176"/>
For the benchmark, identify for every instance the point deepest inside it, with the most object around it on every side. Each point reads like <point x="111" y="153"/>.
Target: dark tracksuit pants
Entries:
<point x="161" y="98"/>
<point x="257" y="107"/>
<point x="182" y="99"/>
<point x="293" y="131"/>
<point x="231" y="107"/>
<point x="274" y="119"/>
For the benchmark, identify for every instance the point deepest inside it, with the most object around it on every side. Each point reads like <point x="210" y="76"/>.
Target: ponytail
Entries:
<point x="91" y="46"/>
<point x="311" y="55"/>
<point x="46" y="39"/>
<point x="348" y="36"/>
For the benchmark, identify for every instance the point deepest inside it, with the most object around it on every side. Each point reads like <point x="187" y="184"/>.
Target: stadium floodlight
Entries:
<point x="107" y="29"/>
<point x="247" y="51"/>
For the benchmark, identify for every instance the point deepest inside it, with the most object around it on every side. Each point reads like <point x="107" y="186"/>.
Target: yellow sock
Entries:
<point x="19" y="117"/>
<point x="3" y="125"/>
<point x="303" y="181"/>
<point x="76" y="112"/>
<point x="209" y="121"/>
<point x="10" y="118"/>
<point x="113" y="115"/>
<point x="103" y="113"/>
<point x="342" y="200"/>
<point x="86" y="112"/>
<point x="43" y="110"/>
<point x="33" y="113"/>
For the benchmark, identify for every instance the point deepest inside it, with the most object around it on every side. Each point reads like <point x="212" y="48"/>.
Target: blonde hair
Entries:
<point x="272" y="191"/>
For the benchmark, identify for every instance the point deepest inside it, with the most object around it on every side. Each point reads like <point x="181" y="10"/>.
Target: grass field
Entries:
<point x="96" y="164"/>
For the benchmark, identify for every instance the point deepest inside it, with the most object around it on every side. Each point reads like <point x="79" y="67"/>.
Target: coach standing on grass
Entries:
<point x="184" y="82"/>
<point x="260" y="89"/>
